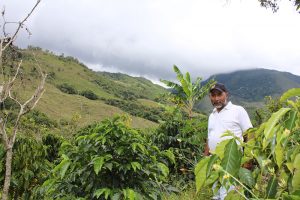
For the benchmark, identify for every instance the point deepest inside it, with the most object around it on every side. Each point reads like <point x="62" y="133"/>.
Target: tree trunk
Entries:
<point x="7" y="177"/>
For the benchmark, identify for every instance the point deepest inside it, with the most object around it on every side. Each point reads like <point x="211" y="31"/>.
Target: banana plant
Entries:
<point x="272" y="148"/>
<point x="186" y="93"/>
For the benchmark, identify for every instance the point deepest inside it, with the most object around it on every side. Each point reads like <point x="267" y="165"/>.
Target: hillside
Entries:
<point x="72" y="89"/>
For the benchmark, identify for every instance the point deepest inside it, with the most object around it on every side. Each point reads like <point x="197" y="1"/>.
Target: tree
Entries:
<point x="273" y="4"/>
<point x="10" y="75"/>
<point x="187" y="92"/>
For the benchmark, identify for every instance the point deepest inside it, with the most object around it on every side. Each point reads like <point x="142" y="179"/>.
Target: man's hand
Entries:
<point x="206" y="150"/>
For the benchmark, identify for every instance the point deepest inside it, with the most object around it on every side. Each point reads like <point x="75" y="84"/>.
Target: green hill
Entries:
<point x="73" y="89"/>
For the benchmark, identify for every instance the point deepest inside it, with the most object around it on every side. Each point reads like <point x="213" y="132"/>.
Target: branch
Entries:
<point x="20" y="26"/>
<point x="6" y="87"/>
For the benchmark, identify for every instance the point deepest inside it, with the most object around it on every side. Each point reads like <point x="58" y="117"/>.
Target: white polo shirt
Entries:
<point x="231" y="118"/>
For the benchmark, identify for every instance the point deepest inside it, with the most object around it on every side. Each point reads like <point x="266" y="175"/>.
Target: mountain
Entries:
<point x="250" y="87"/>
<point x="253" y="85"/>
<point x="79" y="94"/>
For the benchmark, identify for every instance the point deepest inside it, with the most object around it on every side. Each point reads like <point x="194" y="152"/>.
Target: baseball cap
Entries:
<point x="218" y="86"/>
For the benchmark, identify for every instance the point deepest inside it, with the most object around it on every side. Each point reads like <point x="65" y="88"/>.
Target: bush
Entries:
<point x="109" y="160"/>
<point x="30" y="167"/>
<point x="185" y="137"/>
<point x="89" y="94"/>
<point x="67" y="88"/>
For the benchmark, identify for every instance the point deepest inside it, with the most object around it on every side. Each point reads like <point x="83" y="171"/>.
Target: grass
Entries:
<point x="189" y="194"/>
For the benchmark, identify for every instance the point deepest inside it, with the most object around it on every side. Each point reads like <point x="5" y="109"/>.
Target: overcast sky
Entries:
<point x="147" y="37"/>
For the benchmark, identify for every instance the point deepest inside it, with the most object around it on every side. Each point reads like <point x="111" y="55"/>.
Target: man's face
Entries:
<point x="218" y="99"/>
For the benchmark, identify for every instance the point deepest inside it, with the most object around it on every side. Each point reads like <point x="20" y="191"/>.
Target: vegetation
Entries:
<point x="187" y="92"/>
<point x="273" y="149"/>
<point x="109" y="160"/>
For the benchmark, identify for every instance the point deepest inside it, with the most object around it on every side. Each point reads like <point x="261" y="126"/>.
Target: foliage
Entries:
<point x="136" y="109"/>
<point x="273" y="4"/>
<point x="187" y="92"/>
<point x="108" y="160"/>
<point x="89" y="94"/>
<point x="184" y="137"/>
<point x="263" y="114"/>
<point x="273" y="148"/>
<point x="30" y="167"/>
<point x="67" y="88"/>
<point x="52" y="144"/>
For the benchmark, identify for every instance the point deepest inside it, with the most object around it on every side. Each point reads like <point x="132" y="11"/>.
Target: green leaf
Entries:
<point x="246" y="177"/>
<point x="98" y="163"/>
<point x="291" y="121"/>
<point x="271" y="188"/>
<point x="296" y="163"/>
<point x="296" y="180"/>
<point x="129" y="194"/>
<point x="164" y="169"/>
<point x="290" y="93"/>
<point x="62" y="167"/>
<point x="135" y="165"/>
<point x="296" y="177"/>
<point x="271" y="123"/>
<point x="279" y="154"/>
<point x="100" y="192"/>
<point x="220" y="149"/>
<point x="232" y="158"/>
<point x="212" y="161"/>
<point x="169" y="154"/>
<point x="200" y="173"/>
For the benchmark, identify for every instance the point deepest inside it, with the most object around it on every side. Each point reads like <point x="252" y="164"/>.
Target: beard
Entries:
<point x="220" y="104"/>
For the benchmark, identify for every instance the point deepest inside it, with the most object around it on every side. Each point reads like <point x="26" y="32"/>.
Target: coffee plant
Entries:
<point x="108" y="160"/>
<point x="184" y="137"/>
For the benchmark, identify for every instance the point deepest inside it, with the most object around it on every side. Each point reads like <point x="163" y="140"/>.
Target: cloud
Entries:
<point x="147" y="37"/>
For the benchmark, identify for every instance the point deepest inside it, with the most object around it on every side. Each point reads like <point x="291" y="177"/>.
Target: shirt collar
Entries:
<point x="229" y="104"/>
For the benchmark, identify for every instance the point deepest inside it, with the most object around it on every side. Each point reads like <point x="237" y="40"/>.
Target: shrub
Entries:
<point x="30" y="167"/>
<point x="109" y="160"/>
<point x="185" y="137"/>
<point x="89" y="94"/>
<point x="67" y="88"/>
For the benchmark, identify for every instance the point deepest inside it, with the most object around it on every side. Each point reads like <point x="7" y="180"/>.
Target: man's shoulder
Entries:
<point x="238" y="107"/>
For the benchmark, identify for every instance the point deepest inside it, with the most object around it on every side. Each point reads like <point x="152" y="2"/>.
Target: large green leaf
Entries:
<point x="279" y="154"/>
<point x="296" y="177"/>
<point x="296" y="180"/>
<point x="271" y="123"/>
<point x="271" y="188"/>
<point x="63" y="166"/>
<point x="200" y="173"/>
<point x="290" y="93"/>
<point x="212" y="161"/>
<point x="246" y="177"/>
<point x="219" y="151"/>
<point x="291" y="121"/>
<point x="232" y="158"/>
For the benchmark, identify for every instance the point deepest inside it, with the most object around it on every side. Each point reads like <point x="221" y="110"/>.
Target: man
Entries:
<point x="224" y="117"/>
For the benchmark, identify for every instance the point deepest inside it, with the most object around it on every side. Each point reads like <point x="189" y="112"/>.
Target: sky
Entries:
<point x="147" y="37"/>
